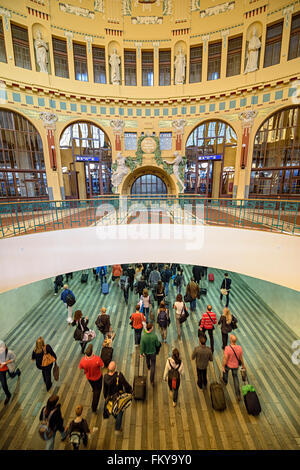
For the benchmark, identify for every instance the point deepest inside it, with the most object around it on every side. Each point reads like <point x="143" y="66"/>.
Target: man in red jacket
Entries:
<point x="207" y="322"/>
<point x="92" y="365"/>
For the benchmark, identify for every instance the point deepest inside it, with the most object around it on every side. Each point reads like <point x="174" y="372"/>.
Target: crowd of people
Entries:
<point x="149" y="284"/>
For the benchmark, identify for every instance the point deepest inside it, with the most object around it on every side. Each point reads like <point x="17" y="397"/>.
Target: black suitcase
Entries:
<point x="106" y="355"/>
<point x="252" y="403"/>
<point x="139" y="387"/>
<point x="217" y="396"/>
<point x="203" y="291"/>
<point x="84" y="278"/>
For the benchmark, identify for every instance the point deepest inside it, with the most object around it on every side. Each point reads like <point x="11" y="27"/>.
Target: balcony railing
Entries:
<point x="18" y="218"/>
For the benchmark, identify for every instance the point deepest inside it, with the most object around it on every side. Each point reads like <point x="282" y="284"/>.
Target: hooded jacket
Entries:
<point x="7" y="355"/>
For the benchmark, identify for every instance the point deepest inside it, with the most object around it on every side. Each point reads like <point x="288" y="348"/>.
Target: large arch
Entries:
<point x="86" y="159"/>
<point x="23" y="165"/>
<point x="127" y="183"/>
<point x="211" y="148"/>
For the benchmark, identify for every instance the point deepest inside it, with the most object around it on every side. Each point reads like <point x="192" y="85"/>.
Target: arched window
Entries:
<point x="86" y="160"/>
<point x="276" y="156"/>
<point x="211" y="152"/>
<point x="22" y="166"/>
<point x="148" y="184"/>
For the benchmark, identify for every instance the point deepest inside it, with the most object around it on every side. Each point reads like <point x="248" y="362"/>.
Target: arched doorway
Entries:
<point x="211" y="152"/>
<point x="86" y="161"/>
<point x="22" y="174"/>
<point x="148" y="184"/>
<point x="276" y="156"/>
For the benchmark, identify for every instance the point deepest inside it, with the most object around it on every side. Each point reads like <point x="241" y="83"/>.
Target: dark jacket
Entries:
<point x="83" y="324"/>
<point x="56" y="421"/>
<point x="226" y="284"/>
<point x="203" y="355"/>
<point x="166" y="275"/>
<point x="141" y="285"/>
<point x="197" y="271"/>
<point x="114" y="383"/>
<point x="39" y="357"/>
<point x="225" y="328"/>
<point x="103" y="323"/>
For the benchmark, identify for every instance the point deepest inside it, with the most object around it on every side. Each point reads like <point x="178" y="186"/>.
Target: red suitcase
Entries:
<point x="211" y="277"/>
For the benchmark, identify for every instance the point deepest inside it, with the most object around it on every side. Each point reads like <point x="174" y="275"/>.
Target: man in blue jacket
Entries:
<point x="68" y="299"/>
<point x="101" y="271"/>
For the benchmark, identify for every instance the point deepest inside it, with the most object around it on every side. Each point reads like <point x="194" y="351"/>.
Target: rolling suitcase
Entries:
<point x="217" y="395"/>
<point x="251" y="399"/>
<point x="211" y="277"/>
<point x="105" y="288"/>
<point x="140" y="382"/>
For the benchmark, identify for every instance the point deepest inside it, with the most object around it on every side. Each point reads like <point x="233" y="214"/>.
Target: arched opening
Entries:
<point x="23" y="174"/>
<point x="276" y="156"/>
<point x="86" y="161"/>
<point x="148" y="184"/>
<point x="211" y="153"/>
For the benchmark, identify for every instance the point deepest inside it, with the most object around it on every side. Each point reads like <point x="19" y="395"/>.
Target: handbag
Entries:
<point x="56" y="372"/>
<point x="188" y="297"/>
<point x="224" y="291"/>
<point x="183" y="315"/>
<point x="78" y="334"/>
<point x="47" y="359"/>
<point x="88" y="336"/>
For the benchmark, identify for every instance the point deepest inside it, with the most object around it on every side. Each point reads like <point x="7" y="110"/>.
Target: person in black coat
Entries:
<point x="141" y="285"/>
<point x="226" y="284"/>
<point x="37" y="355"/>
<point x="197" y="270"/>
<point x="81" y="323"/>
<point x="131" y="273"/>
<point x="58" y="283"/>
<point x="52" y="413"/>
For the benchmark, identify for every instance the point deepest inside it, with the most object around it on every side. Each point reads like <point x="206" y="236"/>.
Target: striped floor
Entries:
<point x="155" y="424"/>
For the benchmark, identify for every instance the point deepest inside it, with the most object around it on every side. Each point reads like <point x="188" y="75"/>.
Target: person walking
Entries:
<point x="137" y="319"/>
<point x="116" y="272"/>
<point x="203" y="355"/>
<point x="207" y="323"/>
<point x="146" y="302"/>
<point x="131" y="273"/>
<point x="92" y="365"/>
<point x="172" y="373"/>
<point x="179" y="307"/>
<point x="192" y="292"/>
<point x="125" y="284"/>
<point x="69" y="275"/>
<point x="44" y="357"/>
<point x="67" y="296"/>
<point x="163" y="320"/>
<point x="154" y="278"/>
<point x="103" y="322"/>
<point x="58" y="283"/>
<point x="197" y="271"/>
<point x="140" y="286"/>
<point x="7" y="365"/>
<point x="166" y="275"/>
<point x="81" y="327"/>
<point x="149" y="345"/>
<point x="115" y="382"/>
<point x="159" y="292"/>
<point x="78" y="429"/>
<point x="232" y="359"/>
<point x="228" y="323"/>
<point x="101" y="272"/>
<point x="225" y="288"/>
<point x="52" y="414"/>
<point x="138" y="272"/>
<point x="179" y="281"/>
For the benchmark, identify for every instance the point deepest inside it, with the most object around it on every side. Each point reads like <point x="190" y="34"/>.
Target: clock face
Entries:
<point x="148" y="145"/>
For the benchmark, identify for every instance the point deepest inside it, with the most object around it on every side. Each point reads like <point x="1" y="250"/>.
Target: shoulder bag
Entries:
<point x="47" y="358"/>
<point x="224" y="291"/>
<point x="239" y="361"/>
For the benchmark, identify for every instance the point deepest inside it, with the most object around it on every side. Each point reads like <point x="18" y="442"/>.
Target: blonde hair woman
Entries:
<point x="228" y="323"/>
<point x="37" y="355"/>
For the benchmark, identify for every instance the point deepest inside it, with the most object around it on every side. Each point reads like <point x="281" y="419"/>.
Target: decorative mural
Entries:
<point x="217" y="9"/>
<point x="78" y="11"/>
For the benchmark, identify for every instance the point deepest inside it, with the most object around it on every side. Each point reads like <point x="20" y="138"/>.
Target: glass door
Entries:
<point x="204" y="178"/>
<point x="93" y="180"/>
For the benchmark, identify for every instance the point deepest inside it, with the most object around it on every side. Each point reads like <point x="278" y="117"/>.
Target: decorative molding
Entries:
<point x="205" y="39"/>
<point x="195" y="5"/>
<point x="49" y="119"/>
<point x="287" y="12"/>
<point x="99" y="6"/>
<point x="179" y="125"/>
<point x="89" y="41"/>
<point x="167" y="7"/>
<point x="224" y="35"/>
<point x="217" y="9"/>
<point x="78" y="11"/>
<point x="69" y="35"/>
<point x="126" y="7"/>
<point x="147" y="20"/>
<point x="247" y="118"/>
<point x="117" y="126"/>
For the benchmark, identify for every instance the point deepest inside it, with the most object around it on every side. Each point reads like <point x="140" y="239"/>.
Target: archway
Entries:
<point x="148" y="184"/>
<point x="23" y="173"/>
<point x="86" y="160"/>
<point x="211" y="152"/>
<point x="141" y="176"/>
<point x="276" y="156"/>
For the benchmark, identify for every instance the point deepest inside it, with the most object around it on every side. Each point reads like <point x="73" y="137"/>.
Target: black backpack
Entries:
<point x="102" y="272"/>
<point x="70" y="299"/>
<point x="162" y="319"/>
<point x="174" y="375"/>
<point x="177" y="280"/>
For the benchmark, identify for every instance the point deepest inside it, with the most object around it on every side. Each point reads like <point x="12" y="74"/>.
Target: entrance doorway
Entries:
<point x="148" y="184"/>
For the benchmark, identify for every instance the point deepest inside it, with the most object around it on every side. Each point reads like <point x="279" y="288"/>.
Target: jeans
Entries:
<point x="167" y="288"/>
<point x="146" y="313"/>
<point x="227" y="298"/>
<point x="137" y="335"/>
<point x="224" y="340"/>
<point x="50" y="442"/>
<point x="151" y="362"/>
<point x="46" y="372"/>
<point x="175" y="392"/>
<point x="178" y="288"/>
<point x="4" y="383"/>
<point x="202" y="377"/>
<point x="211" y="338"/>
<point x="235" y="379"/>
<point x="97" y="387"/>
<point x="119" y="421"/>
<point x="193" y="305"/>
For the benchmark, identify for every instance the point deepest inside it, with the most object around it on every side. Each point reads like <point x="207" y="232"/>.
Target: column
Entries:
<point x="224" y="35"/>
<point x="205" y="39"/>
<point x="286" y="31"/>
<point x="89" y="56"/>
<point x="69" y="37"/>
<point x="117" y="126"/>
<point x="49" y="120"/>
<point x="247" y="119"/>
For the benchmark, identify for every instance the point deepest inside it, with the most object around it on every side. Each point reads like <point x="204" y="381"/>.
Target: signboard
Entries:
<point x="86" y="158"/>
<point x="210" y="157"/>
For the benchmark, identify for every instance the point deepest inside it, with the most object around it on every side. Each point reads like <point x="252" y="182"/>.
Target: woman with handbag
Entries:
<point x="81" y="329"/>
<point x="225" y="288"/>
<point x="44" y="357"/>
<point x="180" y="311"/>
<point x="7" y="365"/>
<point x="228" y="323"/>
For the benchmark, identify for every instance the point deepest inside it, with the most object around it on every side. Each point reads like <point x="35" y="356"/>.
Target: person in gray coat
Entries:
<point x="7" y="364"/>
<point x="203" y="355"/>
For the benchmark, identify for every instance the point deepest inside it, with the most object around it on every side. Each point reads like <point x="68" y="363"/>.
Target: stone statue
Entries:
<point x="252" y="53"/>
<point x="41" y="49"/>
<point x="115" y="67"/>
<point x="121" y="171"/>
<point x="176" y="168"/>
<point x="180" y="64"/>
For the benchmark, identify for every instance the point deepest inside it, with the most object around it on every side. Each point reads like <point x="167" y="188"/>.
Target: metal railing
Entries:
<point x="18" y="218"/>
